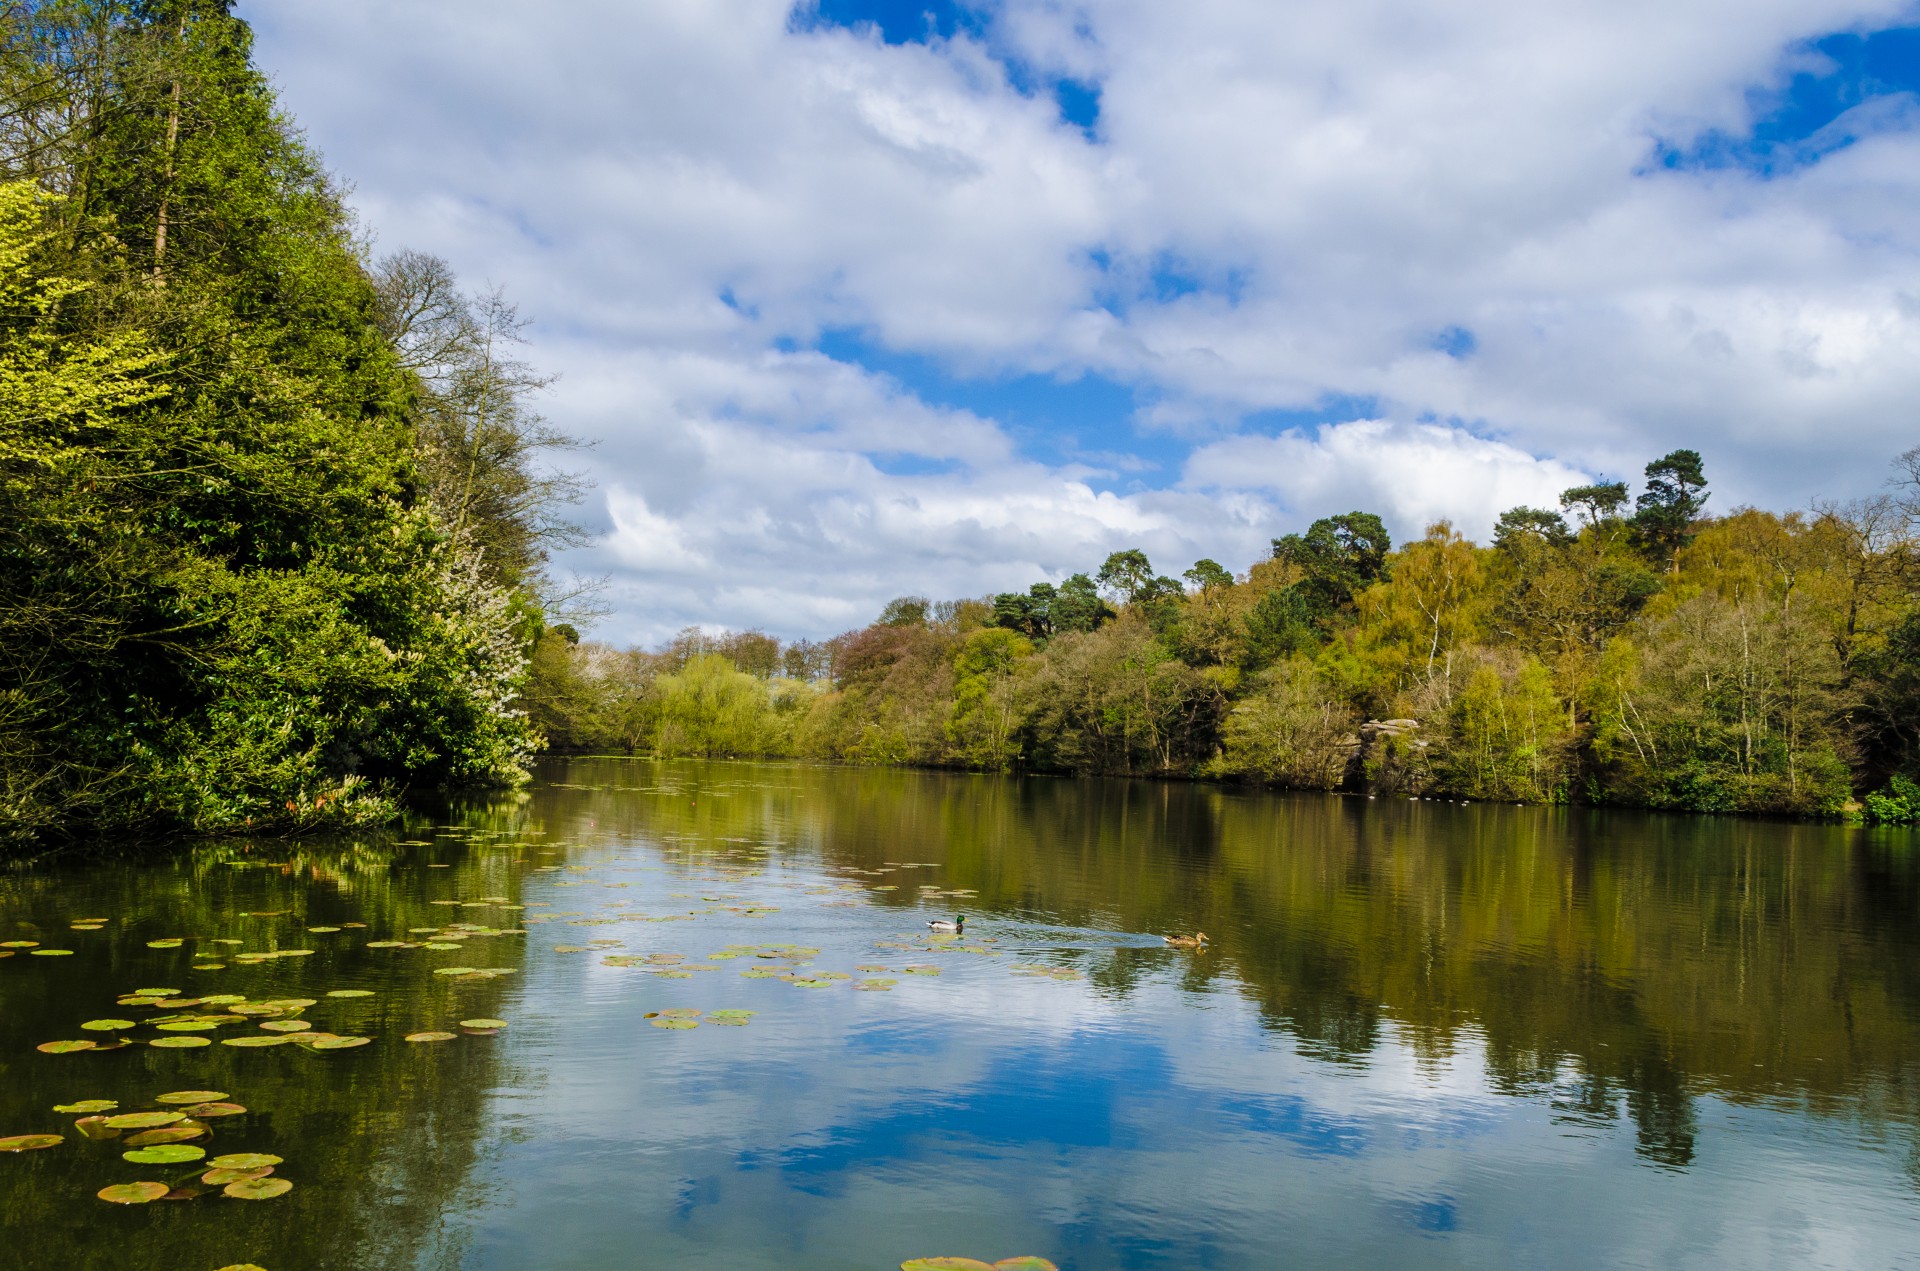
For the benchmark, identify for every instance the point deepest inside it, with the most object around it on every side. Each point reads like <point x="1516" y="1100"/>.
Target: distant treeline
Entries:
<point x="1617" y="649"/>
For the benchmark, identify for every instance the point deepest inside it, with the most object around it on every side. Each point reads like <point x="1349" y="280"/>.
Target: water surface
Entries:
<point x="1424" y="1034"/>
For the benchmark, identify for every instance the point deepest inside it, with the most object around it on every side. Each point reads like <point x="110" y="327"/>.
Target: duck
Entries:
<point x="1198" y="940"/>
<point x="958" y="926"/>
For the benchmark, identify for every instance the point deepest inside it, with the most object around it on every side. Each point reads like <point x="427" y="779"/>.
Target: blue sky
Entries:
<point x="858" y="299"/>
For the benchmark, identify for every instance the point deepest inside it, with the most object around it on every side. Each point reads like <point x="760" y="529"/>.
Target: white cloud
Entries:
<point x="680" y="189"/>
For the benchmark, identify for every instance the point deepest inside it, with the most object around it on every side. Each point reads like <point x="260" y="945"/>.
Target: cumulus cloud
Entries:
<point x="1458" y="216"/>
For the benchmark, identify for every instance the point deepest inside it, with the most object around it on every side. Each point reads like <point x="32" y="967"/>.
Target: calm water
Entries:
<point x="1425" y="1035"/>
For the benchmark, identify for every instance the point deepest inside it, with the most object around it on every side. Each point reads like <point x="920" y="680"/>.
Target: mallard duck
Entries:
<point x="1198" y="940"/>
<point x="957" y="926"/>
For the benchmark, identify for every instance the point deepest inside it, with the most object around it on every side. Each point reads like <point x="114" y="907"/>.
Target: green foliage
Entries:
<point x="1674" y="498"/>
<point x="1337" y="557"/>
<point x="1897" y="804"/>
<point x="223" y="602"/>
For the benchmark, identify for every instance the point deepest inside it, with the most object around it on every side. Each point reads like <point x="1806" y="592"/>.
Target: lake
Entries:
<point x="1422" y="1035"/>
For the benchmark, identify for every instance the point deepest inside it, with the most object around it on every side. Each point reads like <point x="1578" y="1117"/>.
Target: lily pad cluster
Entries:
<point x="1026" y="1263"/>
<point x="182" y="1023"/>
<point x="174" y="1133"/>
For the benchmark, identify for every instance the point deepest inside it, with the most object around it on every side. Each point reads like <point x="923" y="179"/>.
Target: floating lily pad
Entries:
<point x="440" y="944"/>
<point x="336" y="1043"/>
<point x="322" y="929"/>
<point x="870" y="968"/>
<point x="432" y="1037"/>
<point x="454" y="970"/>
<point x="19" y="944"/>
<point x="30" y="1142"/>
<point x="292" y="1003"/>
<point x="180" y="1043"/>
<point x="674" y="1022"/>
<point x="88" y="1105"/>
<point x="875" y="986"/>
<point x="164" y="944"/>
<point x="1026" y="1263"/>
<point x="483" y="1023"/>
<point x="65" y="1048"/>
<point x="53" y="953"/>
<point x="256" y="1008"/>
<point x="256" y="1039"/>
<point x="188" y="1025"/>
<point x="945" y="1264"/>
<point x="813" y="983"/>
<point x="923" y="970"/>
<point x="286" y="1025"/>
<point x="351" y="993"/>
<point x="107" y="1025"/>
<point x="245" y="1160"/>
<point x="258" y="1189"/>
<point x="670" y="974"/>
<point x="190" y="1096"/>
<point x="209" y="1111"/>
<point x="144" y="1120"/>
<point x="209" y="966"/>
<point x="243" y="1266"/>
<point x="221" y="1177"/>
<point x="733" y="1018"/>
<point x="167" y="1134"/>
<point x="164" y="1154"/>
<point x="759" y="973"/>
<point x="133" y="1193"/>
<point x="96" y="1128"/>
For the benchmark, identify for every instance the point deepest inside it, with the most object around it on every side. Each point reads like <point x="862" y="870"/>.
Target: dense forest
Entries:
<point x="1621" y="648"/>
<point x="272" y="511"/>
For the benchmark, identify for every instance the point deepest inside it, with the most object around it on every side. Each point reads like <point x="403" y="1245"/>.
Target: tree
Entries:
<point x="1597" y="504"/>
<point x="1671" y="503"/>
<point x="1338" y="557"/>
<point x="1208" y="575"/>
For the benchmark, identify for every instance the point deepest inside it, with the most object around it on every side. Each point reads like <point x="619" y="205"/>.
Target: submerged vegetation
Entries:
<point x="272" y="516"/>
<point x="1613" y="650"/>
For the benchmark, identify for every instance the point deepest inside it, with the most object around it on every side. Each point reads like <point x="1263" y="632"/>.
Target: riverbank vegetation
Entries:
<point x="272" y="514"/>
<point x="1624" y="647"/>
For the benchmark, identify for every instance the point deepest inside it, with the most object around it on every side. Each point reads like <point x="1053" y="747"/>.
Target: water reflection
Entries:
<point x="1425" y="1035"/>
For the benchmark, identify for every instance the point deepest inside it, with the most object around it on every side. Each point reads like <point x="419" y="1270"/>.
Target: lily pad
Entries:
<point x="107" y="1025"/>
<point x="221" y="1177"/>
<point x="258" y="1189"/>
<point x="245" y="1160"/>
<point x="923" y="970"/>
<point x="813" y="983"/>
<point x="164" y="1154"/>
<point x="164" y="944"/>
<point x="243" y="1266"/>
<point x="875" y="986"/>
<point x="945" y="1264"/>
<point x="190" y="1096"/>
<point x="19" y="944"/>
<point x="483" y="1023"/>
<point x="286" y="1025"/>
<point x="53" y="953"/>
<point x="256" y="1039"/>
<point x="167" y="1134"/>
<point x="454" y="970"/>
<point x="210" y="1111"/>
<point x="351" y="993"/>
<point x="188" y="1025"/>
<point x="432" y="1037"/>
<point x="1026" y="1263"/>
<point x="322" y="929"/>
<point x="144" y="1120"/>
<point x="133" y="1193"/>
<point x="88" y="1106"/>
<point x="156" y="992"/>
<point x="30" y="1142"/>
<point x="674" y="1022"/>
<point x="337" y="1043"/>
<point x="180" y="1043"/>
<point x="760" y="973"/>
<point x="96" y="1128"/>
<point x="65" y="1048"/>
